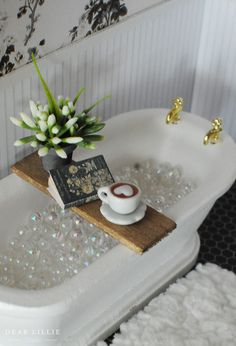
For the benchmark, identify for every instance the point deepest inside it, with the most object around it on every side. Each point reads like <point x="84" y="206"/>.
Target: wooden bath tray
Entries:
<point x="139" y="237"/>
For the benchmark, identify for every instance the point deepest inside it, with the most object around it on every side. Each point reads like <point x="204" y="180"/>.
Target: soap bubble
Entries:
<point x="56" y="244"/>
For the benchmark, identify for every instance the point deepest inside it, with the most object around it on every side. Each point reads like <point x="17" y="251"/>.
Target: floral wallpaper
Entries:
<point x="98" y="15"/>
<point x="42" y="26"/>
<point x="16" y="50"/>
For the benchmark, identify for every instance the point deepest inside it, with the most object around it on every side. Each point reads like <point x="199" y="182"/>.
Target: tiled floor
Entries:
<point x="218" y="234"/>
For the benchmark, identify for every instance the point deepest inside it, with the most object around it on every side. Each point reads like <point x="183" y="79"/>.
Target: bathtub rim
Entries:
<point x="12" y="296"/>
<point x="219" y="186"/>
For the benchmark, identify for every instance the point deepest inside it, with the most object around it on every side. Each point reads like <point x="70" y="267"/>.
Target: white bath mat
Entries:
<point x="198" y="310"/>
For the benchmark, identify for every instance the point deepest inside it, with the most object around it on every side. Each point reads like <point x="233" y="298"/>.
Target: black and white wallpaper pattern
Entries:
<point x="43" y="26"/>
<point x="39" y="26"/>
<point x="15" y="50"/>
<point x="97" y="15"/>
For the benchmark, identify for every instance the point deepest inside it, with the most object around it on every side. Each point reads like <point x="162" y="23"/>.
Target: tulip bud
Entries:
<point x="60" y="100"/>
<point x="55" y="129"/>
<point x="18" y="143"/>
<point x="56" y="140"/>
<point x="65" y="110"/>
<point x="34" y="144"/>
<point x="72" y="140"/>
<point x="51" y="120"/>
<point x="33" y="108"/>
<point x="43" y="151"/>
<point x="46" y="109"/>
<point x="27" y="120"/>
<point x="43" y="125"/>
<point x="60" y="152"/>
<point x="43" y="115"/>
<point x="16" y="121"/>
<point x="70" y="123"/>
<point x="41" y="137"/>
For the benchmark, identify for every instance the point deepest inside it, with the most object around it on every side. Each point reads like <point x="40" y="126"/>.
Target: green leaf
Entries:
<point x="52" y="103"/>
<point x="81" y="119"/>
<point x="93" y="128"/>
<point x="93" y="138"/>
<point x="96" y="103"/>
<point x="90" y="120"/>
<point x="87" y="145"/>
<point x="72" y="130"/>
<point x="24" y="140"/>
<point x="77" y="96"/>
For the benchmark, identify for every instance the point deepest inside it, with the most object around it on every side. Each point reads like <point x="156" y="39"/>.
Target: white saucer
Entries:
<point x="123" y="219"/>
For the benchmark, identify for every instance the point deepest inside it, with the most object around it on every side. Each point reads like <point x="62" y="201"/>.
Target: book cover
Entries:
<point x="78" y="182"/>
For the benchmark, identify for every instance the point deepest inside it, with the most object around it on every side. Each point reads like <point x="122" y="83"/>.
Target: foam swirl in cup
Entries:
<point x="124" y="190"/>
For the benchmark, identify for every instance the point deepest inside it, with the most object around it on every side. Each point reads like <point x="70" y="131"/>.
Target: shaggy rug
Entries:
<point x="197" y="310"/>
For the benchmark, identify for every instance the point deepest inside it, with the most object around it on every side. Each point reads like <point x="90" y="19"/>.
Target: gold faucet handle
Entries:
<point x="213" y="135"/>
<point x="178" y="102"/>
<point x="173" y="117"/>
<point x="217" y="124"/>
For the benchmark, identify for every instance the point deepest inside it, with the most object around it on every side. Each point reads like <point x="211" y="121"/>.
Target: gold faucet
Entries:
<point x="213" y="135"/>
<point x="174" y="115"/>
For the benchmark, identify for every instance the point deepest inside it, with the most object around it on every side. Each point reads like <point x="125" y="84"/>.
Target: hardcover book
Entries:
<point x="78" y="182"/>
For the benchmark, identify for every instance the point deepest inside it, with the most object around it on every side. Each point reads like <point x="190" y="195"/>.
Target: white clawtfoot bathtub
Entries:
<point x="92" y="304"/>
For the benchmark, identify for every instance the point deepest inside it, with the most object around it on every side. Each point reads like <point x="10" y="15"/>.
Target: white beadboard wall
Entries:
<point x="143" y="62"/>
<point x="215" y="82"/>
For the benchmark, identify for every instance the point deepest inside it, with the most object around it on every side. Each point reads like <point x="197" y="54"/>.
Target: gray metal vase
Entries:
<point x="52" y="160"/>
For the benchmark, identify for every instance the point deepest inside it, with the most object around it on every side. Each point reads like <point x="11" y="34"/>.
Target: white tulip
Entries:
<point x="56" y="140"/>
<point x="60" y="152"/>
<point x="16" y="121"/>
<point x="27" y="120"/>
<point x="71" y="106"/>
<point x="43" y="151"/>
<point x="40" y="108"/>
<point x="18" y="143"/>
<point x="43" y="125"/>
<point x="33" y="108"/>
<point x="60" y="100"/>
<point x="34" y="144"/>
<point x="41" y="137"/>
<point x="65" y="110"/>
<point x="43" y="115"/>
<point x="51" y="120"/>
<point x="70" y="123"/>
<point x="46" y="108"/>
<point x="37" y="114"/>
<point x="55" y="129"/>
<point x="24" y="140"/>
<point x="72" y="140"/>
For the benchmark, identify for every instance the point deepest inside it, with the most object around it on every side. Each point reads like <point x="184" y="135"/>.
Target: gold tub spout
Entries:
<point x="213" y="135"/>
<point x="173" y="117"/>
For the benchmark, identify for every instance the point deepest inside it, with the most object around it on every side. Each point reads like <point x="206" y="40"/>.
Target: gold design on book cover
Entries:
<point x="89" y="183"/>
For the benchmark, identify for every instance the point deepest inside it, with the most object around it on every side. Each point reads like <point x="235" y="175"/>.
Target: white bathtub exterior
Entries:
<point x="94" y="302"/>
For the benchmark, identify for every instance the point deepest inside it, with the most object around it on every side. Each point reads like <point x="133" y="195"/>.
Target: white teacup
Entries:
<point x="122" y="197"/>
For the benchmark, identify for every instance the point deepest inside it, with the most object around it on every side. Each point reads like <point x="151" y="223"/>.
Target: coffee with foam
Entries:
<point x="124" y="190"/>
<point x="122" y="197"/>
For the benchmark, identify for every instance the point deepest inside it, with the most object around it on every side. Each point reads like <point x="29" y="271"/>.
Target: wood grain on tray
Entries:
<point x="139" y="237"/>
